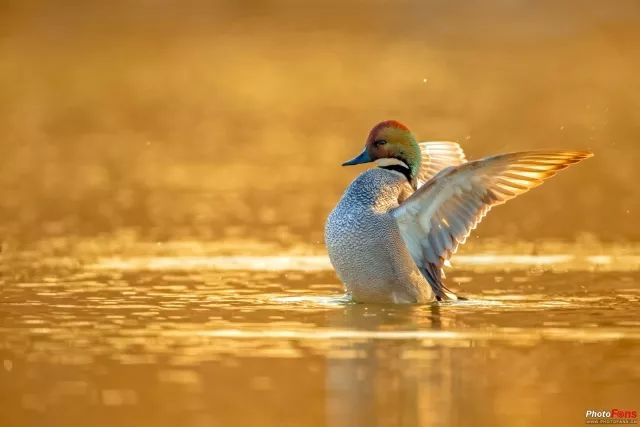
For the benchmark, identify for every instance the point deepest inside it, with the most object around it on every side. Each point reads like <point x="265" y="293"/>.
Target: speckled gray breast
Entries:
<point x="365" y="245"/>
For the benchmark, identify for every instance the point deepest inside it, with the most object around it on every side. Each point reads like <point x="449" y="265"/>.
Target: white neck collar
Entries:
<point x="388" y="161"/>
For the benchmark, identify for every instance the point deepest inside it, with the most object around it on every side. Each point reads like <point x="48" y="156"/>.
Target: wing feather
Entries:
<point x="440" y="215"/>
<point x="436" y="156"/>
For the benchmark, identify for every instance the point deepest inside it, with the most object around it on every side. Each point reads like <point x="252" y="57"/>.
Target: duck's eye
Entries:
<point x="380" y="142"/>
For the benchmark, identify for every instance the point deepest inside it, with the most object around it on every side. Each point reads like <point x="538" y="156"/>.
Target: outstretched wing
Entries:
<point x="437" y="156"/>
<point x="440" y="215"/>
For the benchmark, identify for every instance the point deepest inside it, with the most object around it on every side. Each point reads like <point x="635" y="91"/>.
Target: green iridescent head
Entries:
<point x="391" y="140"/>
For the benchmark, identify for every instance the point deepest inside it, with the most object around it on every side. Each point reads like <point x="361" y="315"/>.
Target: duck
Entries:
<point x="398" y="224"/>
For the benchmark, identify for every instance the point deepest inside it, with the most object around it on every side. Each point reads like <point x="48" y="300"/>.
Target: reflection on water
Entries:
<point x="164" y="340"/>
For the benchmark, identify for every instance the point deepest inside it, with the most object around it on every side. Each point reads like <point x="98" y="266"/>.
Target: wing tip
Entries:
<point x="581" y="154"/>
<point x="552" y="158"/>
<point x="576" y="156"/>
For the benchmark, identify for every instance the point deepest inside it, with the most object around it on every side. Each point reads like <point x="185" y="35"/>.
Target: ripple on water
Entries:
<point x="124" y="334"/>
<point x="483" y="262"/>
<point x="196" y="305"/>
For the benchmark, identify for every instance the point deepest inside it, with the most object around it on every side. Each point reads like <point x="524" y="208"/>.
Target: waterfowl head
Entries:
<point x="392" y="146"/>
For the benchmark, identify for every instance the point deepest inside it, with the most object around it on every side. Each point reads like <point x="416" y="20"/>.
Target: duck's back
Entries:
<point x="365" y="245"/>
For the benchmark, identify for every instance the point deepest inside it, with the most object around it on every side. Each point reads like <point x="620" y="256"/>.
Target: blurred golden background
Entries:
<point x="213" y="120"/>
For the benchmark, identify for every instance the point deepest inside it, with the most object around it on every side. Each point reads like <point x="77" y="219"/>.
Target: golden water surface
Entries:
<point x="166" y="169"/>
<point x="188" y="335"/>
